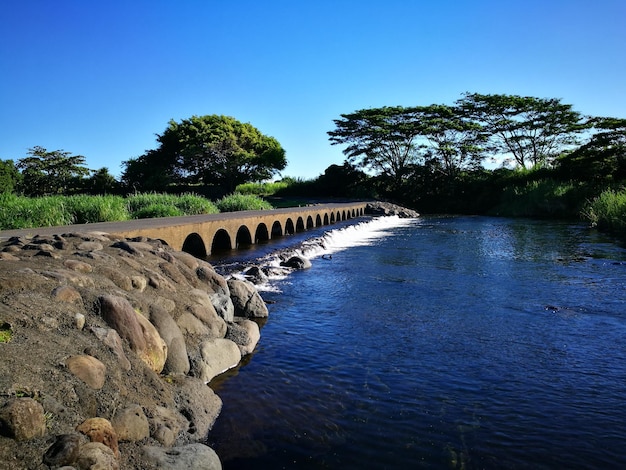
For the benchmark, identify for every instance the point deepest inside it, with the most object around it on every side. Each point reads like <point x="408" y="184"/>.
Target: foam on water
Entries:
<point x="332" y="241"/>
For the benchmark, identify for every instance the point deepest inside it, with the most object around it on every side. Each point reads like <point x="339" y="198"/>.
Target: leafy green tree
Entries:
<point x="454" y="143"/>
<point x="102" y="182"/>
<point x="210" y="150"/>
<point x="532" y="130"/>
<point x="55" y="172"/>
<point x="385" y="140"/>
<point x="342" y="181"/>
<point x="9" y="176"/>
<point x="603" y="156"/>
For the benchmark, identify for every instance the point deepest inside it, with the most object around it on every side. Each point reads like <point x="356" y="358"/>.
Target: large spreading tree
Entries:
<point x="384" y="140"/>
<point x="533" y="131"/>
<point x="51" y="172"/>
<point x="207" y="150"/>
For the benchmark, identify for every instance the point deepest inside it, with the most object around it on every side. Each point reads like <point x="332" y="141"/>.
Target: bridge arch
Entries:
<point x="194" y="245"/>
<point x="243" y="238"/>
<point x="318" y="220"/>
<point x="289" y="228"/>
<point x="309" y="222"/>
<point x="332" y="217"/>
<point x="299" y="225"/>
<point x="277" y="229"/>
<point x="221" y="241"/>
<point x="261" y="234"/>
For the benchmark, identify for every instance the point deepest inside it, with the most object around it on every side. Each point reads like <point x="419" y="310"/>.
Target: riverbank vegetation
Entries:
<point x="503" y="155"/>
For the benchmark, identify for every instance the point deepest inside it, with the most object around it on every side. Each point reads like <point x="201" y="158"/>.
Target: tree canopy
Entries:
<point x="208" y="150"/>
<point x="532" y="130"/>
<point x="55" y="172"/>
<point x="9" y="176"/>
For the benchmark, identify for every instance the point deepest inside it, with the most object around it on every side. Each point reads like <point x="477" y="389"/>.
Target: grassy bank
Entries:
<point x="607" y="212"/>
<point x="18" y="212"/>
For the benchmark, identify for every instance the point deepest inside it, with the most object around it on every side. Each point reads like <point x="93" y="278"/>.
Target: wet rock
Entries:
<point x="64" y="450"/>
<point x="246" y="299"/>
<point x="100" y="430"/>
<point x="88" y="369"/>
<point x="199" y="404"/>
<point x="255" y="275"/>
<point x="131" y="424"/>
<point x="66" y="294"/>
<point x="217" y="356"/>
<point x="96" y="456"/>
<point x="297" y="262"/>
<point x="189" y="457"/>
<point x="23" y="419"/>
<point x="245" y="334"/>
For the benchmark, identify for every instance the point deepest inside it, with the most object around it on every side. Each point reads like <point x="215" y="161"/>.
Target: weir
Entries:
<point x="201" y="235"/>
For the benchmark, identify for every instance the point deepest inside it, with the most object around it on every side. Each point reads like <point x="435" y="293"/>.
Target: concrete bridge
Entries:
<point x="201" y="235"/>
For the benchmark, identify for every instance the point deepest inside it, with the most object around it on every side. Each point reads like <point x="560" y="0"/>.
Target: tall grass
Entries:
<point x="608" y="211"/>
<point x="242" y="202"/>
<point x="145" y="205"/>
<point x="25" y="212"/>
<point x="261" y="189"/>
<point x="90" y="209"/>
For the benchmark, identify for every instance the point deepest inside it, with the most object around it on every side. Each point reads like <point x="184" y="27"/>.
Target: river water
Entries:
<point x="438" y="342"/>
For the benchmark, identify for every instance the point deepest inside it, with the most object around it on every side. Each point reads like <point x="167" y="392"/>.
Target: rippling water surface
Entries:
<point x="460" y="342"/>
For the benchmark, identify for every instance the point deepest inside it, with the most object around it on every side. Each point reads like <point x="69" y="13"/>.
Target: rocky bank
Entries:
<point x="106" y="349"/>
<point x="107" y="346"/>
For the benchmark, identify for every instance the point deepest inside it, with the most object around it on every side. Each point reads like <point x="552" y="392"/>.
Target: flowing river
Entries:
<point x="438" y="342"/>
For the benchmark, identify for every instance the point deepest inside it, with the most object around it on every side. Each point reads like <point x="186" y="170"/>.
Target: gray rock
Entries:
<point x="246" y="299"/>
<point x="208" y="316"/>
<point x="64" y="450"/>
<point x="224" y="306"/>
<point x="189" y="457"/>
<point x="297" y="262"/>
<point x="167" y="424"/>
<point x="217" y="356"/>
<point x="131" y="424"/>
<point x="177" y="361"/>
<point x="199" y="404"/>
<point x="95" y="455"/>
<point x="214" y="283"/>
<point x="245" y="333"/>
<point x="112" y="339"/>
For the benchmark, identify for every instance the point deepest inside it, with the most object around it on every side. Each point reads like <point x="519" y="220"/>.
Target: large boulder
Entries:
<point x="217" y="355"/>
<point x="246" y="299"/>
<point x="212" y="281"/>
<point x="177" y="361"/>
<point x="296" y="262"/>
<point x="199" y="404"/>
<point x="189" y="457"/>
<point x="245" y="334"/>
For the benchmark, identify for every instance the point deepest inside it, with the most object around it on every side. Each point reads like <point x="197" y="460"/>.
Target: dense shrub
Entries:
<point x="186" y="204"/>
<point x="24" y="212"/>
<point x="608" y="211"/>
<point x="242" y="202"/>
<point x="91" y="209"/>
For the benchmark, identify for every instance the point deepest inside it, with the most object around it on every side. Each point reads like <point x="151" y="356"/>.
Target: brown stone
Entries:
<point x="100" y="430"/>
<point x="88" y="369"/>
<point x="66" y="294"/>
<point x="76" y="265"/>
<point x="96" y="456"/>
<point x="24" y="418"/>
<point x="131" y="424"/>
<point x="120" y="315"/>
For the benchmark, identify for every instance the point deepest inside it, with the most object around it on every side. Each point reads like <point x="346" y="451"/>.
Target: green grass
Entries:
<point x="242" y="202"/>
<point x="261" y="189"/>
<point x="24" y="212"/>
<point x="5" y="333"/>
<point x="143" y="205"/>
<point x="90" y="209"/>
<point x="608" y="212"/>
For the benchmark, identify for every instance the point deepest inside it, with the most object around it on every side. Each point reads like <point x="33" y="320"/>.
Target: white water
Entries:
<point x="331" y="242"/>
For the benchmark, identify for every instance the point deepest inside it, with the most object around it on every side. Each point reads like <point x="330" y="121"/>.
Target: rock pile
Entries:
<point x="110" y="346"/>
<point x="379" y="208"/>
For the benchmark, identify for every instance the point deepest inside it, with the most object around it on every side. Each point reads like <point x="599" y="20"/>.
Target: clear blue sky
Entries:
<point x="100" y="79"/>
